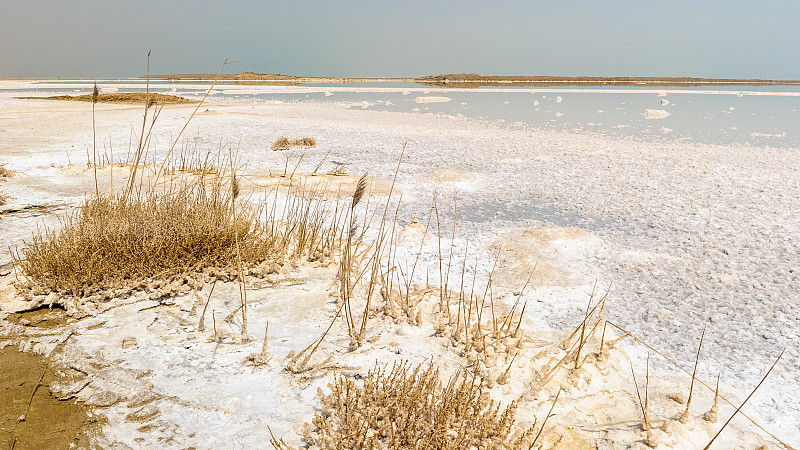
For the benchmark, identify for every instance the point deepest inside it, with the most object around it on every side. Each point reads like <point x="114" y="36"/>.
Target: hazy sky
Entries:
<point x="731" y="38"/>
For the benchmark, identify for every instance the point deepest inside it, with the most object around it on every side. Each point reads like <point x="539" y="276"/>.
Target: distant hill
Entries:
<point x="243" y="76"/>
<point x="475" y="80"/>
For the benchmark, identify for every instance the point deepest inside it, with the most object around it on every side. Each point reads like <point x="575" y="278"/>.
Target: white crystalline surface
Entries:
<point x="693" y="236"/>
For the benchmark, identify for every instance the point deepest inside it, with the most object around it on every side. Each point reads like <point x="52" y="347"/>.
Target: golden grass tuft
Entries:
<point x="113" y="241"/>
<point x="410" y="408"/>
<point x="284" y="143"/>
<point x="5" y="173"/>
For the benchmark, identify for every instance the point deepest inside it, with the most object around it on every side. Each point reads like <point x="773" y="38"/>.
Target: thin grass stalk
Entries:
<point x="95" y="94"/>
<point x="172" y="147"/>
<point x="744" y="402"/>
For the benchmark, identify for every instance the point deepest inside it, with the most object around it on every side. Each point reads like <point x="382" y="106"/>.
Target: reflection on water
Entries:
<point x="717" y="115"/>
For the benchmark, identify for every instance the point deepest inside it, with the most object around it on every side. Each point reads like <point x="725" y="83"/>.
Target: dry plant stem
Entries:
<point x="94" y="140"/>
<point x="139" y="149"/>
<point x="603" y="337"/>
<point x="544" y="422"/>
<point x="745" y="401"/>
<point x="202" y="326"/>
<point x="264" y="344"/>
<point x="671" y="361"/>
<point x="242" y="286"/>
<point x="694" y="372"/>
<point x="346" y="266"/>
<point x="583" y="328"/>
<point x="317" y="342"/>
<point x="646" y="381"/>
<point x="172" y="147"/>
<point x="442" y="282"/>
<point x="450" y="257"/>
<point x="641" y="404"/>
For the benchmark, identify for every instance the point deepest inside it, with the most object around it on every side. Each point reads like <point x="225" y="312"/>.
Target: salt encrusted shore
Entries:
<point x="691" y="236"/>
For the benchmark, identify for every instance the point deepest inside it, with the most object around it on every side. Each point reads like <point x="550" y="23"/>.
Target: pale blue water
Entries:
<point x="696" y="115"/>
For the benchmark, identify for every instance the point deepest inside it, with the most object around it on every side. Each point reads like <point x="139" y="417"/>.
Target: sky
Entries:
<point x="402" y="38"/>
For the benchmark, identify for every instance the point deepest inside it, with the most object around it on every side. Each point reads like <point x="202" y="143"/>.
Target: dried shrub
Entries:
<point x="284" y="143"/>
<point x="111" y="241"/>
<point x="5" y="173"/>
<point x="411" y="408"/>
<point x="305" y="142"/>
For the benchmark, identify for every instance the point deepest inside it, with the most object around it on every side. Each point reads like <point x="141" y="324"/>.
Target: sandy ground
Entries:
<point x="691" y="236"/>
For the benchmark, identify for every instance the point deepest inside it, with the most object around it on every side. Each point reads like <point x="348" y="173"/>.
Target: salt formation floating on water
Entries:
<point x="432" y="99"/>
<point x="655" y="114"/>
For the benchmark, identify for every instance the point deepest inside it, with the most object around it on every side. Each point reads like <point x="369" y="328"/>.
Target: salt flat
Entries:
<point x="691" y="236"/>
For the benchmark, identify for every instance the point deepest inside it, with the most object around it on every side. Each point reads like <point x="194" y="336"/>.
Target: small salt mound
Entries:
<point x="655" y="114"/>
<point x="558" y="114"/>
<point x="559" y="99"/>
<point x="664" y="101"/>
<point x="661" y="94"/>
<point x="432" y="99"/>
<point x="328" y="94"/>
<point x="108" y="89"/>
<point x="665" y="130"/>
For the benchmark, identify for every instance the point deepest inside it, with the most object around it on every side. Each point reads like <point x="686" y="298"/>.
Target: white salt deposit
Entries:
<point x="432" y="99"/>
<point x="692" y="236"/>
<point x="655" y="114"/>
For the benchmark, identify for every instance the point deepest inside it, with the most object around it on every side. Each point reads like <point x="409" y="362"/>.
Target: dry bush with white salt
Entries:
<point x="284" y="143"/>
<point x="411" y="408"/>
<point x="112" y="241"/>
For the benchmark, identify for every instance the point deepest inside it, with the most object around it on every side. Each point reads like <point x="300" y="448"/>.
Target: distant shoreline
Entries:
<point x="461" y="81"/>
<point x="470" y="80"/>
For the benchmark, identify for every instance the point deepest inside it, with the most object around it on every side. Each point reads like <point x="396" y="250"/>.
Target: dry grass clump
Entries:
<point x="411" y="408"/>
<point x="110" y="239"/>
<point x="112" y="242"/>
<point x="283" y="143"/>
<point x="5" y="173"/>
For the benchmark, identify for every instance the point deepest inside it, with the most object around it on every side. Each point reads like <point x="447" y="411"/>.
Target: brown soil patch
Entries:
<point x="40" y="318"/>
<point x="540" y="248"/>
<point x="124" y="97"/>
<point x="30" y="417"/>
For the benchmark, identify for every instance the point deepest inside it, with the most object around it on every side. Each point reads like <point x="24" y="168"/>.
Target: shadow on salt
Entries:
<point x="520" y="210"/>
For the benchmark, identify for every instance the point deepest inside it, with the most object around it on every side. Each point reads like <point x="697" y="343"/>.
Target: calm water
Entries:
<point x="754" y="115"/>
